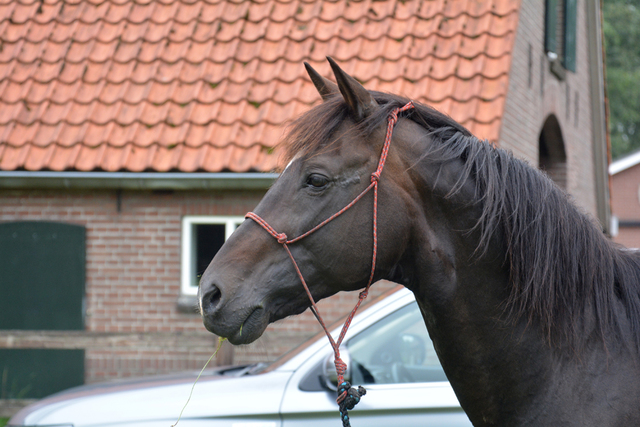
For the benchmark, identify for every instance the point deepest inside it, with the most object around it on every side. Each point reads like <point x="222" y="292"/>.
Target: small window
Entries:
<point x="202" y="237"/>
<point x="560" y="34"/>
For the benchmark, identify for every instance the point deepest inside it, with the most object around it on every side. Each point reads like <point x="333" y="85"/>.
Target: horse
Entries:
<point x="533" y="312"/>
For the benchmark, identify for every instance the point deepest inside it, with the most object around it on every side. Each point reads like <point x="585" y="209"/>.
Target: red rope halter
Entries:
<point x="285" y="242"/>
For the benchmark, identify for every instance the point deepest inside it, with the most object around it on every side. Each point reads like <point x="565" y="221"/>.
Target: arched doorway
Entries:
<point x="552" y="157"/>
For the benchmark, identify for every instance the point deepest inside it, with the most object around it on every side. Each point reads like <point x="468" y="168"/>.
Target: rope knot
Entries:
<point x="341" y="367"/>
<point x="364" y="293"/>
<point x="282" y="238"/>
<point x="348" y="398"/>
<point x="375" y="177"/>
<point x="351" y="395"/>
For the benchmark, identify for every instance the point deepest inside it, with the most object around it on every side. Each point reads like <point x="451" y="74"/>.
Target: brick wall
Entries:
<point x="535" y="93"/>
<point x="133" y="326"/>
<point x="625" y="205"/>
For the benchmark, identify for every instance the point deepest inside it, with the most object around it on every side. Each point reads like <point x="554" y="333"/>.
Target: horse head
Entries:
<point x="251" y="281"/>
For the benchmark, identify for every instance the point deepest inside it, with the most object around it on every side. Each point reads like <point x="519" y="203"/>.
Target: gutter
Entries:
<point x="599" y="118"/>
<point x="624" y="163"/>
<point x="136" y="180"/>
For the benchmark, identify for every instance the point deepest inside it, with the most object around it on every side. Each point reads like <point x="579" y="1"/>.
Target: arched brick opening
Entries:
<point x="552" y="157"/>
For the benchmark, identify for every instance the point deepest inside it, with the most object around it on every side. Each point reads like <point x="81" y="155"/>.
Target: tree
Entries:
<point x="622" y="37"/>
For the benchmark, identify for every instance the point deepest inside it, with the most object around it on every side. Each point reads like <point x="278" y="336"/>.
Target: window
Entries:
<point x="202" y="237"/>
<point x="560" y="35"/>
<point x="395" y="350"/>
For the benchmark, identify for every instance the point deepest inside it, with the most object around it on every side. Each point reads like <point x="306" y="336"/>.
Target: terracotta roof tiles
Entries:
<point x="206" y="85"/>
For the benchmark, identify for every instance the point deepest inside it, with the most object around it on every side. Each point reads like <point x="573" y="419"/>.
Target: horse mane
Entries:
<point x="561" y="265"/>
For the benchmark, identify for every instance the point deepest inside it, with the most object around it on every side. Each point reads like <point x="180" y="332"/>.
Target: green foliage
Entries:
<point x="621" y="36"/>
<point x="3" y="421"/>
<point x="624" y="107"/>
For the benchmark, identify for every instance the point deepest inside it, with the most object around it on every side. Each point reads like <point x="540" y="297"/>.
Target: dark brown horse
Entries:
<point x="534" y="314"/>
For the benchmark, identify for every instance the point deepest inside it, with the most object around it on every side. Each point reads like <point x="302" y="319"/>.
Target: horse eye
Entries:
<point x="317" y="181"/>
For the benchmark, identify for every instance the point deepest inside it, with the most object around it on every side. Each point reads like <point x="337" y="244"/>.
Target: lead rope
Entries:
<point x="348" y="396"/>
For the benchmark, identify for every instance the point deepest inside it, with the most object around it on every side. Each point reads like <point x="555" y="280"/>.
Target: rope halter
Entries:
<point x="348" y="396"/>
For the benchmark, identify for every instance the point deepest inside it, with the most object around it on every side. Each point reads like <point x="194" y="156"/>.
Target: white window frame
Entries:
<point x="188" y="262"/>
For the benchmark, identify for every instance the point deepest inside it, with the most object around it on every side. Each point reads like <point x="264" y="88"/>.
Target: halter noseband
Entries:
<point x="347" y="396"/>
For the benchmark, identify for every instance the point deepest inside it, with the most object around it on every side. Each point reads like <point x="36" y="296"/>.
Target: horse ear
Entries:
<point x="325" y="87"/>
<point x="359" y="100"/>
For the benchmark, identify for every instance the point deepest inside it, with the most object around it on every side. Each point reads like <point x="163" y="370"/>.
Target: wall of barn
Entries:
<point x="535" y="93"/>
<point x="133" y="325"/>
<point x="625" y="205"/>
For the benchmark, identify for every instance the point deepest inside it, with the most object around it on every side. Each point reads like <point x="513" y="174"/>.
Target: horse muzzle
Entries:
<point x="240" y="323"/>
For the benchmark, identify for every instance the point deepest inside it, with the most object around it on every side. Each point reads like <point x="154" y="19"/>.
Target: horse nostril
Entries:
<point x="211" y="299"/>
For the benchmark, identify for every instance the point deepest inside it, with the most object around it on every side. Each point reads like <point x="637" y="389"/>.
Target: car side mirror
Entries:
<point x="329" y="374"/>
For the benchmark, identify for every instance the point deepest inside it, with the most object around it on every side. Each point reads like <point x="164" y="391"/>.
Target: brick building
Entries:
<point x="149" y="128"/>
<point x="625" y="200"/>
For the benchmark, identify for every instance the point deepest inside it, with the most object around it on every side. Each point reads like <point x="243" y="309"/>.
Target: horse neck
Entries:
<point x="503" y="369"/>
<point x="462" y="293"/>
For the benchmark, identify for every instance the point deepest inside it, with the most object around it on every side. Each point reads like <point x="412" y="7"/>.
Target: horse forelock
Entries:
<point x="313" y="130"/>
<point x="561" y="265"/>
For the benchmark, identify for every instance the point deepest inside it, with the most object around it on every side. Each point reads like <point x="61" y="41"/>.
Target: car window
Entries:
<point x="397" y="349"/>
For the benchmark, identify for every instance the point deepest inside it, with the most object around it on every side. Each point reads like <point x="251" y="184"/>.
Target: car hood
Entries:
<point x="160" y="400"/>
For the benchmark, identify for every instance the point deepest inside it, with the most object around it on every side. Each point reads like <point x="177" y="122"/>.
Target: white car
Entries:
<point x="387" y="349"/>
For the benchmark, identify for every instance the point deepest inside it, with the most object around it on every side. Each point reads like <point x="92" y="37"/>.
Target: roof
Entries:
<point x="624" y="163"/>
<point x="206" y="85"/>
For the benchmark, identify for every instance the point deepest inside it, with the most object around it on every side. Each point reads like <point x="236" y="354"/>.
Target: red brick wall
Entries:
<point x="625" y="205"/>
<point x="528" y="105"/>
<point x="133" y="326"/>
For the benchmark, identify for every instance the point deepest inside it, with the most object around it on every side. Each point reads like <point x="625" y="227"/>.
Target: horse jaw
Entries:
<point x="250" y="283"/>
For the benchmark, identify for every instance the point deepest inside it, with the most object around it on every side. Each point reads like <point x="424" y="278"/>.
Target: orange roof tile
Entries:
<point x="206" y="85"/>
